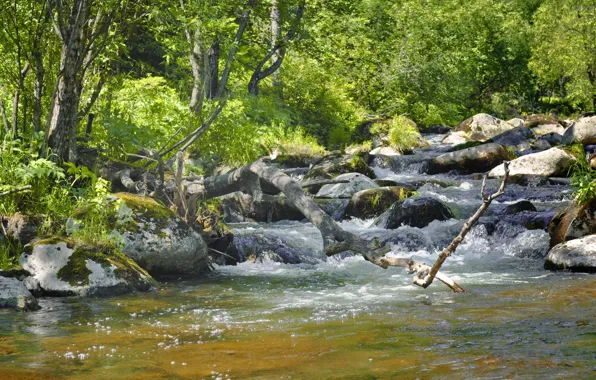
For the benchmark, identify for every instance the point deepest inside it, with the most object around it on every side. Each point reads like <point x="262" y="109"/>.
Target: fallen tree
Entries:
<point x="249" y="179"/>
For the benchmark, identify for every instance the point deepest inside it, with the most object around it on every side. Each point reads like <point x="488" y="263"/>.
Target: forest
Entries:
<point x="147" y="143"/>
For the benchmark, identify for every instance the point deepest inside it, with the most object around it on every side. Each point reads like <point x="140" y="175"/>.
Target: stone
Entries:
<point x="62" y="268"/>
<point x="519" y="138"/>
<point x="357" y="182"/>
<point x="541" y="144"/>
<point x="573" y="222"/>
<point x="482" y="127"/>
<point x="14" y="295"/>
<point x="368" y="204"/>
<point x="455" y="138"/>
<point x="584" y="131"/>
<point x="549" y="163"/>
<point x="414" y="212"/>
<point x="384" y="151"/>
<point x="516" y="122"/>
<point x="552" y="138"/>
<point x="578" y="255"/>
<point x="546" y="129"/>
<point x="157" y="239"/>
<point x="518" y="207"/>
<point x="472" y="160"/>
<point x="240" y="207"/>
<point x="337" y="163"/>
<point x="536" y="120"/>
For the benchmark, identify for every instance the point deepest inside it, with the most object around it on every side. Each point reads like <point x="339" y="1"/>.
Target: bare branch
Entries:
<point x="15" y="190"/>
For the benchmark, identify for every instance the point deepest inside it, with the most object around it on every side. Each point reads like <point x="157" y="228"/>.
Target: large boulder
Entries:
<point x="156" y="239"/>
<point x="337" y="163"/>
<point x="549" y="163"/>
<point x="546" y="129"/>
<point x="472" y="160"/>
<point x="583" y="131"/>
<point x="415" y="212"/>
<point x="577" y="255"/>
<point x="62" y="268"/>
<point x="357" y="182"/>
<point x="519" y="138"/>
<point x="455" y="138"/>
<point x="14" y="295"/>
<point x="368" y="204"/>
<point x="573" y="222"/>
<point x="516" y="122"/>
<point x="240" y="207"/>
<point x="482" y="127"/>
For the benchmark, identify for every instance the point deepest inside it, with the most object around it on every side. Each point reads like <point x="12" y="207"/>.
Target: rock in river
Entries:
<point x="577" y="255"/>
<point x="415" y="212"/>
<point x="583" y="131"/>
<point x="472" y="160"/>
<point x="549" y="163"/>
<point x="64" y="269"/>
<point x="367" y="204"/>
<point x="357" y="182"/>
<point x="14" y="295"/>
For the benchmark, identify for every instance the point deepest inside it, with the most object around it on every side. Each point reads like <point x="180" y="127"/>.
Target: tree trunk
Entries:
<point x="15" y="101"/>
<point x="212" y="70"/>
<point x="275" y="37"/>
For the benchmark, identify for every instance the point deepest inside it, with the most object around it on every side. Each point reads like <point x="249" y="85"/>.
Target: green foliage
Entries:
<point x="583" y="179"/>
<point x="403" y="135"/>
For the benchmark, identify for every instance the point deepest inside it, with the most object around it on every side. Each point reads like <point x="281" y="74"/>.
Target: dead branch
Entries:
<point x="425" y="277"/>
<point x="15" y="190"/>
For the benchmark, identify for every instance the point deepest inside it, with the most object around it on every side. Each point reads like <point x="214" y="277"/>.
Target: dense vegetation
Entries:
<point x="254" y="76"/>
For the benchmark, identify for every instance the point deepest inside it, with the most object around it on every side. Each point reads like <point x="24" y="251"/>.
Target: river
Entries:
<point x="341" y="318"/>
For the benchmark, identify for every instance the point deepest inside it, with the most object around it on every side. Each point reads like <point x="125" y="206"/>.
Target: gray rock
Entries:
<point x="240" y="207"/>
<point x="156" y="239"/>
<point x="516" y="122"/>
<point x="482" y="127"/>
<point x="546" y="129"/>
<point x="62" y="269"/>
<point x="336" y="163"/>
<point x="541" y="144"/>
<point x="549" y="163"/>
<point x="14" y="295"/>
<point x="456" y="138"/>
<point x="415" y="212"/>
<point x="577" y="255"/>
<point x="573" y="222"/>
<point x="384" y="151"/>
<point x="552" y="138"/>
<point x="583" y="131"/>
<point x="358" y="182"/>
<point x="472" y="160"/>
<point x="367" y="204"/>
<point x="519" y="138"/>
<point x="518" y="207"/>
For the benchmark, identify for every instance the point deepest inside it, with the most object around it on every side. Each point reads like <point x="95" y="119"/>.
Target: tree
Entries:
<point x="564" y="51"/>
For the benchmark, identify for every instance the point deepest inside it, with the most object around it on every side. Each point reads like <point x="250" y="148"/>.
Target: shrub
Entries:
<point x="403" y="134"/>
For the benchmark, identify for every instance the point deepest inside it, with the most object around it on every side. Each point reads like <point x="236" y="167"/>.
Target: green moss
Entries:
<point x="576" y="150"/>
<point x="162" y="234"/>
<point x="146" y="206"/>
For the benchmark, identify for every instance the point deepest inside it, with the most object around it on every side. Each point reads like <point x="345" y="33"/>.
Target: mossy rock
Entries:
<point x="371" y="203"/>
<point x="337" y="163"/>
<point x="65" y="267"/>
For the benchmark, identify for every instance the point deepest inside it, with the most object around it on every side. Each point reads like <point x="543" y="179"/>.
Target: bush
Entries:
<point x="583" y="179"/>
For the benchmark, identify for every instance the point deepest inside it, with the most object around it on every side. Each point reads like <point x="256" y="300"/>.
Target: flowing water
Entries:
<point x="340" y="318"/>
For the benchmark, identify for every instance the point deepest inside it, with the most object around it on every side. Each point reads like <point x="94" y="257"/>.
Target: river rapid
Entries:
<point x="338" y="318"/>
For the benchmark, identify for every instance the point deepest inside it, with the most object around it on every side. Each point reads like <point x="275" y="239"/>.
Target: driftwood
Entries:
<point x="15" y="190"/>
<point x="187" y="191"/>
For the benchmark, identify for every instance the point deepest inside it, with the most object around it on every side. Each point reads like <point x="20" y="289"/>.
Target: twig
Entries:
<point x="425" y="277"/>
<point x="15" y="190"/>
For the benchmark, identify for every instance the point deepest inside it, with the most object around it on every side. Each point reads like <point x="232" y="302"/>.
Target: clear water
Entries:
<point x="335" y="319"/>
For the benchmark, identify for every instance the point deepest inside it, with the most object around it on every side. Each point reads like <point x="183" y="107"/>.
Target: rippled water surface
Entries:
<point x="342" y="318"/>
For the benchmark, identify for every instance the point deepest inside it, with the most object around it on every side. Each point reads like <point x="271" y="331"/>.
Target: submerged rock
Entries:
<point x="573" y="222"/>
<point x="357" y="182"/>
<point x="583" y="131"/>
<point x="550" y="163"/>
<point x="472" y="160"/>
<point x="239" y="207"/>
<point x="157" y="239"/>
<point x="367" y="204"/>
<point x="577" y="255"/>
<point x="415" y="212"/>
<point x="64" y="269"/>
<point x="14" y="295"/>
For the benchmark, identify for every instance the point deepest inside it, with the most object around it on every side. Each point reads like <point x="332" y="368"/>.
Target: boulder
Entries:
<point x="519" y="138"/>
<point x="239" y="207"/>
<point x="583" y="131"/>
<point x="482" y="127"/>
<point x="549" y="163"/>
<point x="455" y="138"/>
<point x="157" y="239"/>
<point x="472" y="160"/>
<point x="62" y="268"/>
<point x="384" y="151"/>
<point x="546" y="129"/>
<point x="219" y="238"/>
<point x="518" y="207"/>
<point x="539" y="119"/>
<point x="368" y="204"/>
<point x="415" y="212"/>
<point x="337" y="163"/>
<point x="276" y="246"/>
<point x="552" y="138"/>
<point x="404" y="239"/>
<point x="14" y="295"/>
<point x="573" y="222"/>
<point x="540" y="144"/>
<point x="357" y="182"/>
<point x="577" y="255"/>
<point x="516" y="122"/>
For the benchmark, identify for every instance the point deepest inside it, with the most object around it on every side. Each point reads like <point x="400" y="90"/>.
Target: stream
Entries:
<point x="339" y="318"/>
